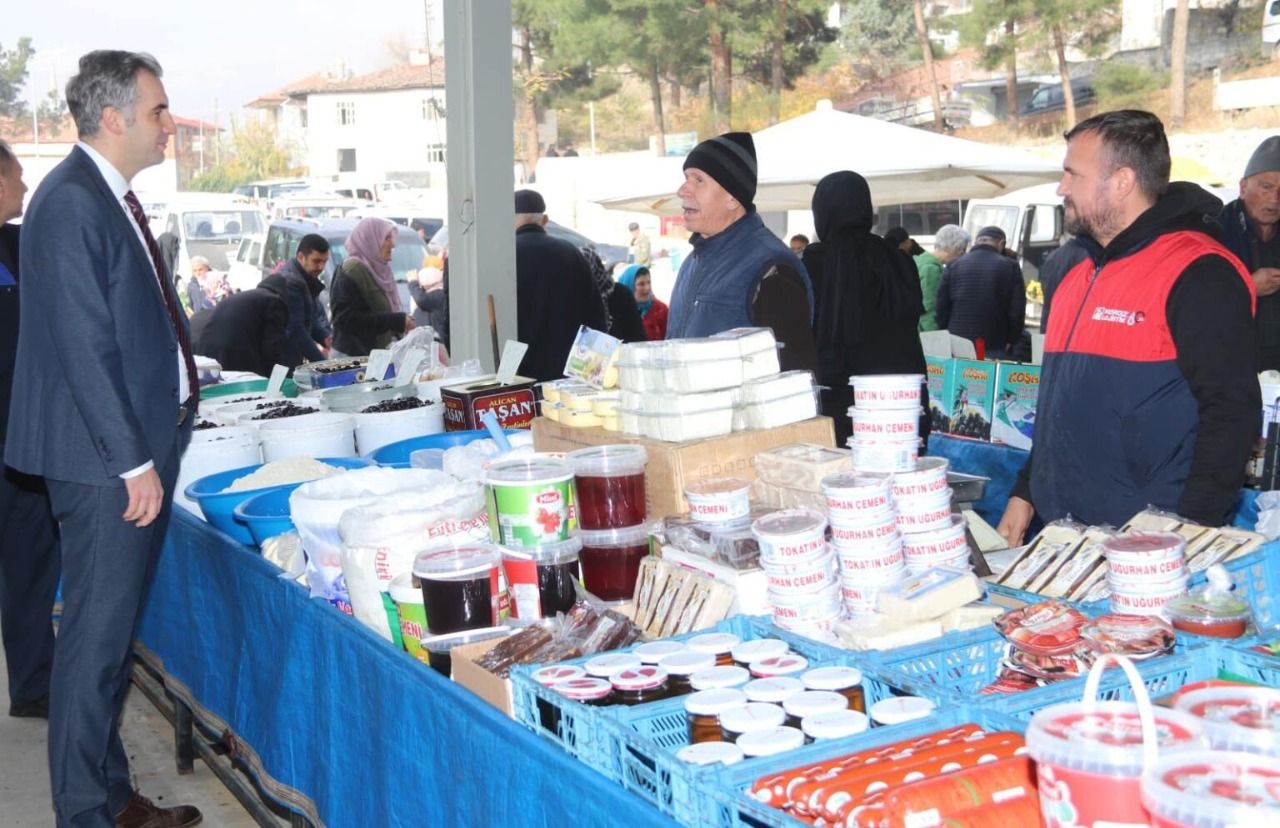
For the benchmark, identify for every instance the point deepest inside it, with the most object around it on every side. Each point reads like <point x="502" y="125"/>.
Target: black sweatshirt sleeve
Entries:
<point x="1211" y="322"/>
<point x="942" y="304"/>
<point x="782" y="304"/>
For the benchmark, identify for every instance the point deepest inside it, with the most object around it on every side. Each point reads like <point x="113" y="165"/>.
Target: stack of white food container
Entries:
<point x="1145" y="571"/>
<point x="864" y="533"/>
<point x="693" y="389"/>
<point x="801" y="570"/>
<point x="886" y="422"/>
<point x="932" y="535"/>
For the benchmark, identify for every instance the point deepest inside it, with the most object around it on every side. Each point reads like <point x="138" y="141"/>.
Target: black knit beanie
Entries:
<point x="730" y="159"/>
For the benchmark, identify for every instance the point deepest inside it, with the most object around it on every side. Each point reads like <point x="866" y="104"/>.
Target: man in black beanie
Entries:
<point x="739" y="274"/>
<point x="555" y="293"/>
<point x="1250" y="226"/>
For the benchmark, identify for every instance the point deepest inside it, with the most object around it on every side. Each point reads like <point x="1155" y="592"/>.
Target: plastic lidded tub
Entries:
<point x="610" y="560"/>
<point x="709" y="753"/>
<point x="719" y="677"/>
<point x="653" y="652"/>
<point x="774" y="690"/>
<point x="857" y="497"/>
<point x="789" y="534"/>
<point x="556" y="673"/>
<point x="610" y="490"/>
<point x="1213" y="789"/>
<point x="901" y="709"/>
<point x="718" y="499"/>
<point x="459" y="587"/>
<point x="836" y="724"/>
<point x="529" y="500"/>
<point x="772" y="741"/>
<point x="751" y="651"/>
<point x="1217" y="616"/>
<point x="587" y="690"/>
<point x="605" y="666"/>
<point x="887" y="390"/>
<point x="1237" y="718"/>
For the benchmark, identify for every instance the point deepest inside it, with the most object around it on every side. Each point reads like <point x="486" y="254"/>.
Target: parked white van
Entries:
<point x="1271" y="27"/>
<point x="209" y="225"/>
<point x="1032" y="220"/>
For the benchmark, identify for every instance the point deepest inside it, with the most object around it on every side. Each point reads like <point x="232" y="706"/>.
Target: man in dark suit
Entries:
<point x="28" y="534"/>
<point x="103" y="396"/>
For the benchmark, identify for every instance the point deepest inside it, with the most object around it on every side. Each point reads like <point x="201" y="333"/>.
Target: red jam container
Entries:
<point x="610" y="485"/>
<point x="610" y="561"/>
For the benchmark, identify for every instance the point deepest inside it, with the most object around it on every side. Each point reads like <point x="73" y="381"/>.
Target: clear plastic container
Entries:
<point x="611" y="561"/>
<point x="542" y="580"/>
<point x="758" y="349"/>
<point x="609" y="484"/>
<point x="652" y="403"/>
<point x="1216" y="616"/>
<point x="1237" y="718"/>
<point x="440" y="647"/>
<point x="718" y="499"/>
<point x="459" y="587"/>
<point x="1212" y="789"/>
<point x="680" y="428"/>
<point x="529" y="500"/>
<point x="777" y="387"/>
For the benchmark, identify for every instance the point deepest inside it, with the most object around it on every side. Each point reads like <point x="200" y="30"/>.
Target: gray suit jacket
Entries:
<point x="95" y="388"/>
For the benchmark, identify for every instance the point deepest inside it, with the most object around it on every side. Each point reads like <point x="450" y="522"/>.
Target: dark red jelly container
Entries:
<point x="610" y="485"/>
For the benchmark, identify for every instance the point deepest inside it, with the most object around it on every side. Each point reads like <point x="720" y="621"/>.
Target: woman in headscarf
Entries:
<point x="367" y="313"/>
<point x="622" y="318"/>
<point x="653" y="311"/>
<point x="866" y="298"/>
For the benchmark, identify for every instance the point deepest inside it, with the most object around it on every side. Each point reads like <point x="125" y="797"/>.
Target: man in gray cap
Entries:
<point x="639" y="251"/>
<point x="555" y="294"/>
<point x="739" y="274"/>
<point x="1249" y="226"/>
<point x="982" y="296"/>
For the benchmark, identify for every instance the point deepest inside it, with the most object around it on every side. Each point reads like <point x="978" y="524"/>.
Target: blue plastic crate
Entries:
<point x="1236" y="660"/>
<point x="728" y="803"/>
<point x="581" y="729"/>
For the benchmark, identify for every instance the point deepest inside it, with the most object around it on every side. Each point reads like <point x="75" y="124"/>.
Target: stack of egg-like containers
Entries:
<point x="886" y="422"/>
<point x="531" y="504"/>
<point x="801" y="569"/>
<point x="932" y="535"/>
<point x="865" y="536"/>
<point x="690" y="389"/>
<point x="611" y="512"/>
<point x="1145" y="571"/>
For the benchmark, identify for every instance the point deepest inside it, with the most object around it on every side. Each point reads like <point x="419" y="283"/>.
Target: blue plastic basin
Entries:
<point x="267" y="514"/>
<point x="218" y="505"/>
<point x="396" y="455"/>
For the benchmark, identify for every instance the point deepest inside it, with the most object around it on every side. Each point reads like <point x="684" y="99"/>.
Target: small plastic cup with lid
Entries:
<point x="542" y="580"/>
<point x="604" y="666"/>
<point x="610" y="485"/>
<point x="459" y="587"/>
<point x="834" y="725"/>
<point x="611" y="559"/>
<point x="774" y="690"/>
<point x="783" y="665"/>
<point x="703" y="710"/>
<point x="1237" y="718"/>
<point x="749" y="718"/>
<point x="812" y="702"/>
<point x="770" y="742"/>
<point x="681" y="667"/>
<point x="1212" y="610"/>
<point x="639" y="685"/>
<point x="596" y="692"/>
<point x="709" y="753"/>
<point x="549" y="676"/>
<point x="653" y="652"/>
<point x="719" y="645"/>
<point x="847" y="681"/>
<point x="750" y="651"/>
<point x="718" y="499"/>
<point x="901" y="709"/>
<point x="719" y="677"/>
<point x="1212" y="789"/>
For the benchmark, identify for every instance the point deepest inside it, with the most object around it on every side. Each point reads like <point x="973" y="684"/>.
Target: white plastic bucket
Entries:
<point x="373" y="431"/>
<point x="790" y="536"/>
<point x="211" y="451"/>
<point x="322" y="434"/>
<point x="874" y="456"/>
<point x="929" y="519"/>
<point x="885" y="425"/>
<point x="887" y="391"/>
<point x="855" y="498"/>
<point x="928" y="477"/>
<point x="249" y="417"/>
<point x="871" y="534"/>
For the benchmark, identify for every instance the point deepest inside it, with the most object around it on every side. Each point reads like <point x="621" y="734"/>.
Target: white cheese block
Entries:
<point x="928" y="595"/>
<point x="969" y="617"/>
<point x="800" y="465"/>
<point x="879" y="632"/>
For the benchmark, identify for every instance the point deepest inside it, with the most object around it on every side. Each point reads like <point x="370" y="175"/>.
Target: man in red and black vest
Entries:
<point x="1149" y="392"/>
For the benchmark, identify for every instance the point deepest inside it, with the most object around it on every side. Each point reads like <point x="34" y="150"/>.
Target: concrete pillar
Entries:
<point x="479" y="116"/>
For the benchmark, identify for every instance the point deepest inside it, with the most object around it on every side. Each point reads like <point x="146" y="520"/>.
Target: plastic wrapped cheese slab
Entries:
<point x="928" y="595"/>
<point x="800" y="465"/>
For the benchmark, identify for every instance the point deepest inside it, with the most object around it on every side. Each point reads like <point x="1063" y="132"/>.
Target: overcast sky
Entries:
<point x="218" y="54"/>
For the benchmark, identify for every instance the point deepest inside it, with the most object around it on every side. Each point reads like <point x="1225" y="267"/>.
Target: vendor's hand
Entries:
<point x="1017" y="517"/>
<point x="146" y="495"/>
<point x="1267" y="280"/>
<point x="408" y="323"/>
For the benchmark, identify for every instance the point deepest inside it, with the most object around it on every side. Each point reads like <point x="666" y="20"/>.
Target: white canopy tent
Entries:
<point x="902" y="165"/>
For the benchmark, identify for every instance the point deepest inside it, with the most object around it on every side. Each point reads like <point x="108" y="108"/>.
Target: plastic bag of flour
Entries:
<point x="381" y="541"/>
<point x="317" y="507"/>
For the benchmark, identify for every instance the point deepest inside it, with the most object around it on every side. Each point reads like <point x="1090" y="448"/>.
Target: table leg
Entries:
<point x="183" y="738"/>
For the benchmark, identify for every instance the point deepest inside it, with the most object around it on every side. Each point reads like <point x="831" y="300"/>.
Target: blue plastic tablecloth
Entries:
<point x="336" y="722"/>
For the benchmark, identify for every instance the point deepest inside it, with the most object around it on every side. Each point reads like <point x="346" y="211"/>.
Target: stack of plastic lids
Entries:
<point x="886" y="421"/>
<point x="801" y="571"/>
<point x="1145" y="571"/>
<point x="864" y="533"/>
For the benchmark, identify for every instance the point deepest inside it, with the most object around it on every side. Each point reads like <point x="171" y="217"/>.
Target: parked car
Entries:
<point x="261" y="256"/>
<point x="209" y="225"/>
<point x="1271" y="27"/>
<point x="404" y="215"/>
<point x="610" y="254"/>
<point x="1050" y="99"/>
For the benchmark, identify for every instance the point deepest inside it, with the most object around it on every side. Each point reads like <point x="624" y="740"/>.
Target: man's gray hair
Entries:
<point x="107" y="77"/>
<point x="951" y="238"/>
<point x="7" y="157"/>
<point x="199" y="260"/>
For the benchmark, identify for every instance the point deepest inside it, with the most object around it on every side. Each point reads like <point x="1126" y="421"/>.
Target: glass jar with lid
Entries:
<point x="549" y="676"/>
<point x="653" y="652"/>
<point x="704" y="708"/>
<point x="749" y="718"/>
<point x="749" y="651"/>
<point x="681" y="667"/>
<point x="810" y="703"/>
<point x="593" y="691"/>
<point x="847" y="681"/>
<point x="604" y="666"/>
<point x="719" y="645"/>
<point x="783" y="665"/>
<point x="770" y="741"/>
<point x="640" y="685"/>
<point x="836" y="724"/>
<point x="719" y="677"/>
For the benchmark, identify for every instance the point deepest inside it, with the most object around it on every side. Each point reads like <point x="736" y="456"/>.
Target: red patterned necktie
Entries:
<point x="170" y="299"/>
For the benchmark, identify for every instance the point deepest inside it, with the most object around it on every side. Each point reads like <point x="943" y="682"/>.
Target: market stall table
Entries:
<point x="336" y="724"/>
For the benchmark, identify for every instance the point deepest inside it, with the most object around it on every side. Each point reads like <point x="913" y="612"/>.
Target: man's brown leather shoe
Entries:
<point x="143" y="813"/>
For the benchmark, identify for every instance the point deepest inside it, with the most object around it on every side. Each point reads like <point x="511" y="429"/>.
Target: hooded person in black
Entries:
<point x="867" y="298"/>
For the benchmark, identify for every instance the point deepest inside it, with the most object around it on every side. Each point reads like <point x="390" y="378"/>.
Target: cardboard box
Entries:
<point x="513" y="403"/>
<point x="970" y="396"/>
<point x="496" y="691"/>
<point x="1013" y="418"/>
<point x="938" y="372"/>
<point x="672" y="466"/>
